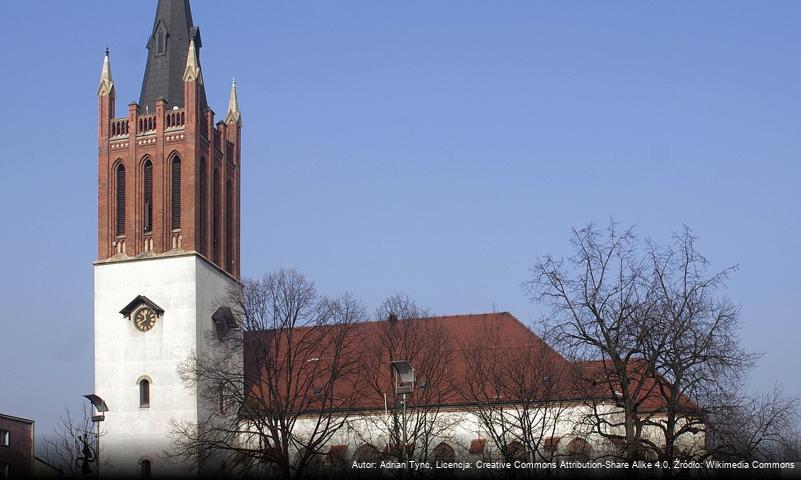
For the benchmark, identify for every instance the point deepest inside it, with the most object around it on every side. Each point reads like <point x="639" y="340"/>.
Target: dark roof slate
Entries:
<point x="166" y="60"/>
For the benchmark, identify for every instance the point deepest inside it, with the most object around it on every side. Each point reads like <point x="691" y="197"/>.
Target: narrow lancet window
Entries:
<point x="148" y="197"/>
<point x="176" y="193"/>
<point x="215" y="220"/>
<point x="229" y="227"/>
<point x="120" y="200"/>
<point x="203" y="208"/>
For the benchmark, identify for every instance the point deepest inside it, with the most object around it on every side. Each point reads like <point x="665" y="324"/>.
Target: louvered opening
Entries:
<point x="215" y="219"/>
<point x="148" y="197"/>
<point x="202" y="210"/>
<point x="176" y="193"/>
<point x="120" y="200"/>
<point x="229" y="227"/>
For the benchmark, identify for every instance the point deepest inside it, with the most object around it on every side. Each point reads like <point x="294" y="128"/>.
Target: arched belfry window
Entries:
<point x="120" y="200"/>
<point x="229" y="226"/>
<point x="175" y="193"/>
<point x="215" y="219"/>
<point x="148" y="196"/>
<point x="144" y="392"/>
<point x="202" y="207"/>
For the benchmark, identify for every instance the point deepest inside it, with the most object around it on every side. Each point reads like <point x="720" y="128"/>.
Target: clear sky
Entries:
<point x="434" y="148"/>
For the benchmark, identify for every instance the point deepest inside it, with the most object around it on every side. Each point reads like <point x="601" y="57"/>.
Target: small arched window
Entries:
<point x="148" y="196"/>
<point x="579" y="449"/>
<point x="120" y="199"/>
<point x="175" y="194"/>
<point x="367" y="453"/>
<point x="144" y="392"/>
<point x="443" y="453"/>
<point x="516" y="451"/>
<point x="145" y="469"/>
<point x="229" y="227"/>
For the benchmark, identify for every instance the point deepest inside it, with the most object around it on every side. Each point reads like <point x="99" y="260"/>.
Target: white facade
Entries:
<point x="459" y="428"/>
<point x="188" y="289"/>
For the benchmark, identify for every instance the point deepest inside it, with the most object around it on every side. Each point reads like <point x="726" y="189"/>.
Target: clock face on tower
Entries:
<point x="144" y="319"/>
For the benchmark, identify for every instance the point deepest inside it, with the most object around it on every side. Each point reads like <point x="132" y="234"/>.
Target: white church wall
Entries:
<point x="459" y="428"/>
<point x="213" y="288"/>
<point x="185" y="286"/>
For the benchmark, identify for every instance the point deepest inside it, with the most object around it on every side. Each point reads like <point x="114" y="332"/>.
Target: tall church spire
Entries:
<point x="233" y="106"/>
<point x="168" y="49"/>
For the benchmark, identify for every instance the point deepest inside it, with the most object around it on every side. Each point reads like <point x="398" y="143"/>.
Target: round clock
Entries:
<point x="144" y="319"/>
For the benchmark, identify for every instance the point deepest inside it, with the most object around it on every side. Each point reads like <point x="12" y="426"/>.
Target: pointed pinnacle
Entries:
<point x="192" y="71"/>
<point x="106" y="83"/>
<point x="233" y="106"/>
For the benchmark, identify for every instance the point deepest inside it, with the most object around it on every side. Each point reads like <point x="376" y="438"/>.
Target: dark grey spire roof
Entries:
<point x="167" y="47"/>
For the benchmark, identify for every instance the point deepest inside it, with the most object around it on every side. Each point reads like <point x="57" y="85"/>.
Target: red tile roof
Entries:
<point x="644" y="385"/>
<point x="490" y="338"/>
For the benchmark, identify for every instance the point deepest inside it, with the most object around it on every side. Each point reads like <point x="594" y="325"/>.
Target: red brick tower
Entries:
<point x="168" y="177"/>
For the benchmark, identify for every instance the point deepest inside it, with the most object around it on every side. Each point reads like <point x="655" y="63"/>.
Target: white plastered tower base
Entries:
<point x="189" y="289"/>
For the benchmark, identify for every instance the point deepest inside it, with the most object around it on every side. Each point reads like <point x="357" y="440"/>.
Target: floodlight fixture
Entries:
<point x="102" y="408"/>
<point x="98" y="402"/>
<point x="404" y="376"/>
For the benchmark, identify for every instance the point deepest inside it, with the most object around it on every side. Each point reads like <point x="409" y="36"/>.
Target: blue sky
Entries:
<point x="434" y="148"/>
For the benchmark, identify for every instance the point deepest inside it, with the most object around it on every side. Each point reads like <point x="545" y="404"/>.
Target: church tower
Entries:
<point x="168" y="242"/>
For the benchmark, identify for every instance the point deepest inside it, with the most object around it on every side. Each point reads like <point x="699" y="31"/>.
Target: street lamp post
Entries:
<point x="101" y="408"/>
<point x="404" y="385"/>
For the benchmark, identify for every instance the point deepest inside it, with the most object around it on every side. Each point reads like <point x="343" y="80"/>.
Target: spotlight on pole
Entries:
<point x="101" y="408"/>
<point x="99" y="405"/>
<point x="404" y="376"/>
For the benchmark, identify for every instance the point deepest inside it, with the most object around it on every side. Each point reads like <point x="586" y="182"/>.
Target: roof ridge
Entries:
<point x="452" y="315"/>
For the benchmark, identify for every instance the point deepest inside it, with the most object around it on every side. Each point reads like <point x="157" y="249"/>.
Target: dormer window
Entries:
<point x="161" y="39"/>
<point x="160" y="42"/>
<point x="224" y="322"/>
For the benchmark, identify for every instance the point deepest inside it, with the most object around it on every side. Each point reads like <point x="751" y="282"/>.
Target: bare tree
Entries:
<point x="599" y="296"/>
<point x="655" y="337"/>
<point x="691" y="341"/>
<point x="761" y="428"/>
<point x="413" y="427"/>
<point x="295" y="388"/>
<point x="65" y="445"/>
<point x="515" y="390"/>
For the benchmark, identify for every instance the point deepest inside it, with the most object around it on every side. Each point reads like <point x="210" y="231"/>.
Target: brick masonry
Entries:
<point x="18" y="455"/>
<point x="201" y="146"/>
